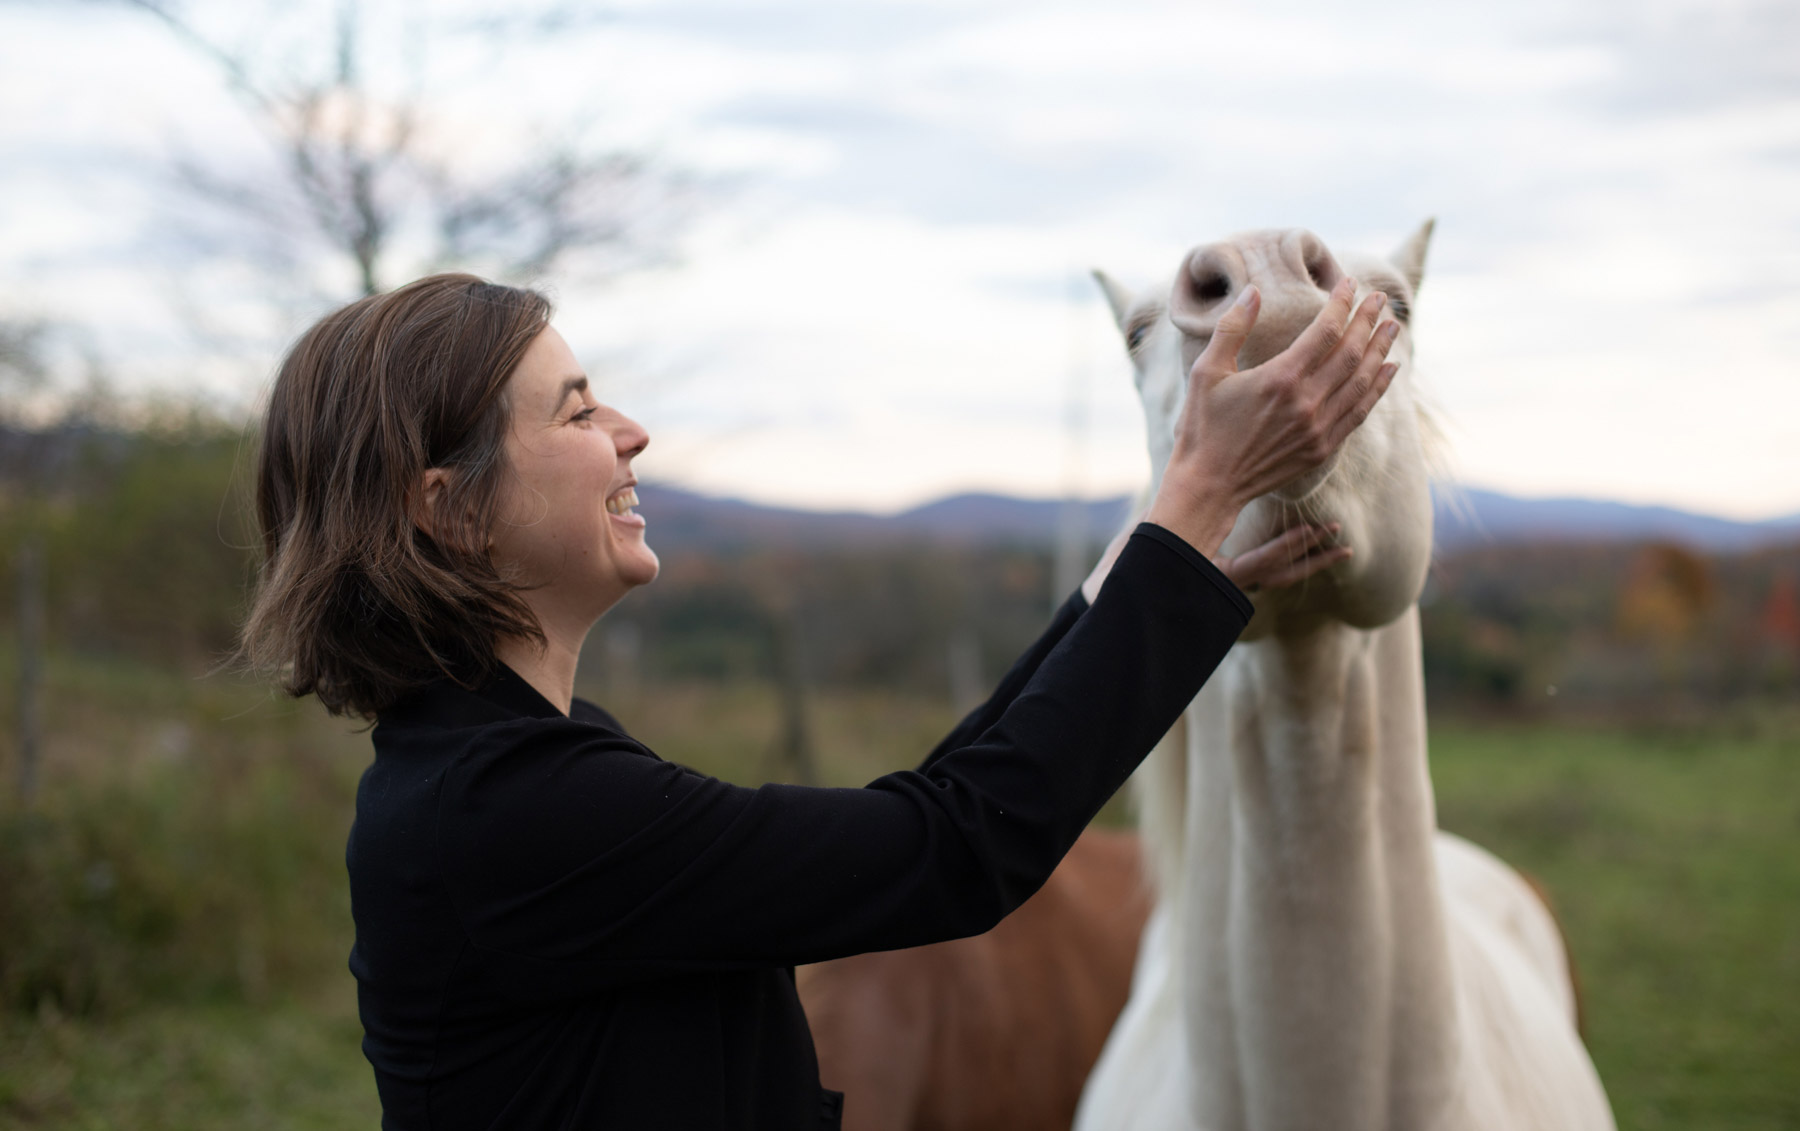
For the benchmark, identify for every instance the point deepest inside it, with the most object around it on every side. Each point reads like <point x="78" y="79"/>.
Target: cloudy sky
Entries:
<point x="882" y="296"/>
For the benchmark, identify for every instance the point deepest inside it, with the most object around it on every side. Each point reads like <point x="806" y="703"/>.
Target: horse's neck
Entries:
<point x="1318" y="987"/>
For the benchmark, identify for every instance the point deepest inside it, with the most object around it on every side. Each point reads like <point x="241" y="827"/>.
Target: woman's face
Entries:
<point x="566" y="524"/>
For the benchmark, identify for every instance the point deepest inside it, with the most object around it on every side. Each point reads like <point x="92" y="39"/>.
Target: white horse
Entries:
<point x="1321" y="955"/>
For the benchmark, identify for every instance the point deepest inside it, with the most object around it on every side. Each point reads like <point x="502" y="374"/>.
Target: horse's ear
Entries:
<point x="1410" y="256"/>
<point x="1117" y="296"/>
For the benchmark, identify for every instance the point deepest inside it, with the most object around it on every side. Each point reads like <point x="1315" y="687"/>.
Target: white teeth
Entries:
<point x="621" y="503"/>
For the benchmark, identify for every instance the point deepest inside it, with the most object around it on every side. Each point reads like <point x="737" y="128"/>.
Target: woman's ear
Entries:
<point x="428" y="498"/>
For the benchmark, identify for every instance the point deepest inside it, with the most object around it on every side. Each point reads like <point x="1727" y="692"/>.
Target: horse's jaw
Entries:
<point x="1375" y="489"/>
<point x="1378" y="493"/>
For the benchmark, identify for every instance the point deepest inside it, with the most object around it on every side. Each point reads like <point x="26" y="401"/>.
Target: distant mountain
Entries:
<point x="681" y="519"/>
<point x="991" y="518"/>
<point x="1471" y="517"/>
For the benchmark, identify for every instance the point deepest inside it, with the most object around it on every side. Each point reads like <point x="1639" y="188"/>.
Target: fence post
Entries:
<point x="31" y="663"/>
<point x="796" y="735"/>
<point x="964" y="663"/>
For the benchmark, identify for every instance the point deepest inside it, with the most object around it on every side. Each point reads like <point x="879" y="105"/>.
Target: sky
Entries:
<point x="881" y="293"/>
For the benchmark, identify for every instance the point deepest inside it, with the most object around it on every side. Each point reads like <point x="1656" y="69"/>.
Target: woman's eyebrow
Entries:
<point x="575" y="384"/>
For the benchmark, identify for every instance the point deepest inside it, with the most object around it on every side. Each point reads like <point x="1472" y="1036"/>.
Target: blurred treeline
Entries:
<point x="148" y="550"/>
<point x="144" y="535"/>
<point x="1612" y="628"/>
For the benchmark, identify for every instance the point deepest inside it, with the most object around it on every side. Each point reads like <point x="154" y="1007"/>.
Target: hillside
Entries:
<point x="683" y="519"/>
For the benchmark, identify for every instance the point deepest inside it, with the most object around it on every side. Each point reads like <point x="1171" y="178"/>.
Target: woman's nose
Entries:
<point x="630" y="438"/>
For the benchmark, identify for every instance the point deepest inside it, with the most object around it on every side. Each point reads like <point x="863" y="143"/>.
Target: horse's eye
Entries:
<point x="1135" y="338"/>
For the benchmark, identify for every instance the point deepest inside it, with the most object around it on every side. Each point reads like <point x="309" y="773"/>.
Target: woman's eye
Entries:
<point x="586" y="413"/>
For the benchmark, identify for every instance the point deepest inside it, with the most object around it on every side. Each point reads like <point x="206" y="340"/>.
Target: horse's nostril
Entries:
<point x="1205" y="281"/>
<point x="1321" y="268"/>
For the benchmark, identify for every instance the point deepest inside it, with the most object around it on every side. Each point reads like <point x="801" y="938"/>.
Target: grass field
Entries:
<point x="192" y="872"/>
<point x="292" y="1064"/>
<point x="1671" y="856"/>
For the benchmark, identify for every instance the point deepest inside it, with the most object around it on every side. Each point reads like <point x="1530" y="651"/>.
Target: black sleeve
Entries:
<point x="587" y="855"/>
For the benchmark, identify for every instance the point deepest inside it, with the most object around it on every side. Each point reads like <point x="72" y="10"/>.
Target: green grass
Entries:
<point x="173" y="919"/>
<point x="289" y="1064"/>
<point x="1671" y="857"/>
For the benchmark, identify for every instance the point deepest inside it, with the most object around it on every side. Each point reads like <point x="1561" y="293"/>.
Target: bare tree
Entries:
<point x="362" y="170"/>
<point x="23" y="368"/>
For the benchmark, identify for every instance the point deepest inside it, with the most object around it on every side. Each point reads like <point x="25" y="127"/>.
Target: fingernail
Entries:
<point x="1380" y="300"/>
<point x="1246" y="296"/>
<point x="1390" y="330"/>
<point x="1388" y="371"/>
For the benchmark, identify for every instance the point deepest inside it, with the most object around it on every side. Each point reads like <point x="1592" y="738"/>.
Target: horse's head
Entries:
<point x="1376" y="486"/>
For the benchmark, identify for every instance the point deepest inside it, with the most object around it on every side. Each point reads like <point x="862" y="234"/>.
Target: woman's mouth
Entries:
<point x="619" y="505"/>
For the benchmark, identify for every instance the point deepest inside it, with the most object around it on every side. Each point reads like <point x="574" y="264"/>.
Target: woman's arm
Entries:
<point x="598" y="863"/>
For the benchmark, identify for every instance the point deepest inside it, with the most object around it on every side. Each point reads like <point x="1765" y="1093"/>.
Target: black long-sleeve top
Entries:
<point x="557" y="929"/>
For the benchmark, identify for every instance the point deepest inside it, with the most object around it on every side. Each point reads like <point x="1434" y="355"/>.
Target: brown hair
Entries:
<point x="355" y="603"/>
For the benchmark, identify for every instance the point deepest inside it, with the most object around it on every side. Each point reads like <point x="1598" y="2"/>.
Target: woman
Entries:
<point x="555" y="928"/>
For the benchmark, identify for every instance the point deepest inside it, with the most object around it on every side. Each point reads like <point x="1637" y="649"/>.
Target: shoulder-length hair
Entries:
<point x="355" y="603"/>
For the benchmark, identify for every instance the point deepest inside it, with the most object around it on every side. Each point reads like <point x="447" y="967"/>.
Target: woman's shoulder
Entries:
<point x="479" y="774"/>
<point x="454" y="745"/>
<point x="444" y="711"/>
<point x="583" y="711"/>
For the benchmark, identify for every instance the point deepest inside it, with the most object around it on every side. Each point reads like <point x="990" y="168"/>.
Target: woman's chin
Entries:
<point x="641" y="567"/>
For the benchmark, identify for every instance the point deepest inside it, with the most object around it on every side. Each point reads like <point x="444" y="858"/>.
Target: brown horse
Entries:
<point x="996" y="1032"/>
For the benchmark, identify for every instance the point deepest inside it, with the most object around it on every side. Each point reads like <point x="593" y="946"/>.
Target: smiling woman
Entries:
<point x="557" y="928"/>
<point x="566" y="524"/>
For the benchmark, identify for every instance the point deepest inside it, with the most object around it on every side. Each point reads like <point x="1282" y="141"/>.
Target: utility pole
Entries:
<point x="1071" y="562"/>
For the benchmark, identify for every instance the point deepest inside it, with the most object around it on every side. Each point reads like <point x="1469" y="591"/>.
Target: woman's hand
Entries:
<point x="1241" y="435"/>
<point x="1286" y="559"/>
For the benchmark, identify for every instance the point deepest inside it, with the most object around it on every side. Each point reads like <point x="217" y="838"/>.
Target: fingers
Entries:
<point x="1359" y="401"/>
<point x="1219" y="359"/>
<point x="1289" y="544"/>
<point x="1362" y="341"/>
<point x="1359" y="368"/>
<point x="1316" y="342"/>
<point x="1294" y="554"/>
<point x="1299" y="570"/>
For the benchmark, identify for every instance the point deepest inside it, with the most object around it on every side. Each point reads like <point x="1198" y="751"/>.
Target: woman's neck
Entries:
<point x="549" y="667"/>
